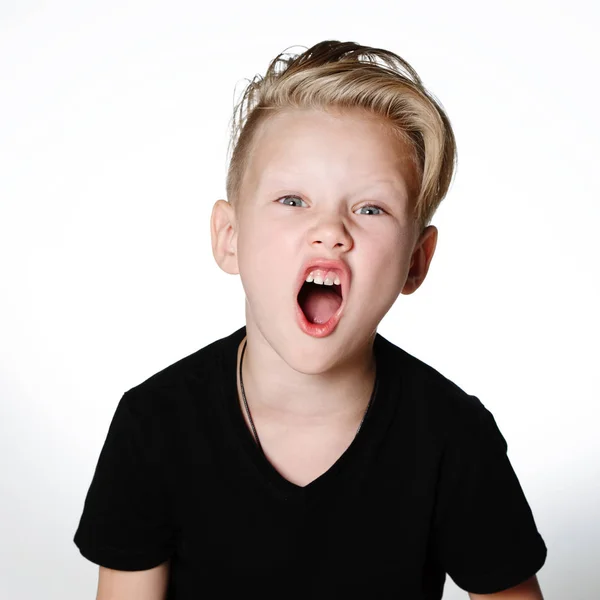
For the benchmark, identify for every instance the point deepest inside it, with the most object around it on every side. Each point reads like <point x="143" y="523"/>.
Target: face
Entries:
<point x="322" y="185"/>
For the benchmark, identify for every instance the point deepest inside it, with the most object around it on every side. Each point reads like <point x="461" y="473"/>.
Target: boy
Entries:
<point x="304" y="455"/>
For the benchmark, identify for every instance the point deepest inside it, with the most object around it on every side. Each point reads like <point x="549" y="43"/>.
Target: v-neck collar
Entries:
<point x="373" y="427"/>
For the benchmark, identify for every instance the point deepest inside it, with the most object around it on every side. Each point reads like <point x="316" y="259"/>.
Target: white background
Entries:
<point x="113" y="134"/>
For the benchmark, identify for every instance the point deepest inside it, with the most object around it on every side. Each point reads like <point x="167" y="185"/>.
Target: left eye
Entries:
<point x="372" y="207"/>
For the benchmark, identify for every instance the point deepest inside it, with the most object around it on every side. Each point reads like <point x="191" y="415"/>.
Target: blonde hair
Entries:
<point x="345" y="75"/>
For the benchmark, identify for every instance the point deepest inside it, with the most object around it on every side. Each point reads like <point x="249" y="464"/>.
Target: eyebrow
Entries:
<point x="288" y="179"/>
<point x="386" y="183"/>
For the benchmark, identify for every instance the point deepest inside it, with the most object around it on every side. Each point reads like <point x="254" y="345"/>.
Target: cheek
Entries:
<point x="387" y="264"/>
<point x="268" y="240"/>
<point x="266" y="260"/>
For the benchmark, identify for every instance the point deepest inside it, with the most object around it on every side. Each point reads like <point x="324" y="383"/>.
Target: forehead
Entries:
<point x="341" y="149"/>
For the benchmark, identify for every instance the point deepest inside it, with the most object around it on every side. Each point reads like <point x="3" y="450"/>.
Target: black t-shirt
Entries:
<point x="424" y="489"/>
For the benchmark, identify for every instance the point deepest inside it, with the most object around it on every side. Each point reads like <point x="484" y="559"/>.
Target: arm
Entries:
<point x="133" y="585"/>
<point x="528" y="590"/>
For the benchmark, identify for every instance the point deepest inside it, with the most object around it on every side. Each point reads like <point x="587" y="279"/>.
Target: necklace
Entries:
<point x="250" y="416"/>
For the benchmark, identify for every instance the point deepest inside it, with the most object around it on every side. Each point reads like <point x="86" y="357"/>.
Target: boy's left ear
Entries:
<point x="223" y="236"/>
<point x="421" y="259"/>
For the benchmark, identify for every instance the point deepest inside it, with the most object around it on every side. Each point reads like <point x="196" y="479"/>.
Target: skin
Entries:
<point x="150" y="584"/>
<point x="303" y="390"/>
<point x="528" y="590"/>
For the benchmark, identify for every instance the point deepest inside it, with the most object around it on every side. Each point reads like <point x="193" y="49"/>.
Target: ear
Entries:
<point x="223" y="235"/>
<point x="421" y="259"/>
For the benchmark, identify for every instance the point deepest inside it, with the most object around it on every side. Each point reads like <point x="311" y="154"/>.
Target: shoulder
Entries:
<point x="177" y="407"/>
<point x="436" y="403"/>
<point x="189" y="379"/>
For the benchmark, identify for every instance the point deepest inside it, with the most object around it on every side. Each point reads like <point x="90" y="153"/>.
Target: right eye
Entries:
<point x="295" y="198"/>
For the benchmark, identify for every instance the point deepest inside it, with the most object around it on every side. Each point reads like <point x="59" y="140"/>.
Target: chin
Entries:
<point x="312" y="362"/>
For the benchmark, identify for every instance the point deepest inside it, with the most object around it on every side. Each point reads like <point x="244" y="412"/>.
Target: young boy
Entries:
<point x="304" y="455"/>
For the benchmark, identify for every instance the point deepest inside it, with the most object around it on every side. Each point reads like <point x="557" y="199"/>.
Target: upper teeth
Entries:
<point x="323" y="277"/>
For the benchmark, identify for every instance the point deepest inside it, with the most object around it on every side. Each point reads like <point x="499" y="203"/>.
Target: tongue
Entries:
<point x="319" y="303"/>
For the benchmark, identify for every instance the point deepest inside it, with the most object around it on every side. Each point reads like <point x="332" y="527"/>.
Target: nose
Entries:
<point x="330" y="233"/>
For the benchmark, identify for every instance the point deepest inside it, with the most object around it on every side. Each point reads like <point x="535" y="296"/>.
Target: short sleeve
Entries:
<point x="486" y="535"/>
<point x="125" y="523"/>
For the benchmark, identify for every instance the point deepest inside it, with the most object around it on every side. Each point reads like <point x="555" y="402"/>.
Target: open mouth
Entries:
<point x="319" y="302"/>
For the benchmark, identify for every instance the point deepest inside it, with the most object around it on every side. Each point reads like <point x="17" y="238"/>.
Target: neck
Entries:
<point x="273" y="388"/>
